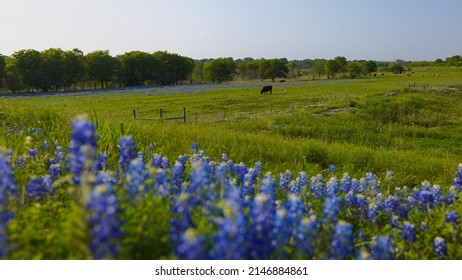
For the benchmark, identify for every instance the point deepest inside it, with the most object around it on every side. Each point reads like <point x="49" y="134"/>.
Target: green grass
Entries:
<point x="374" y="124"/>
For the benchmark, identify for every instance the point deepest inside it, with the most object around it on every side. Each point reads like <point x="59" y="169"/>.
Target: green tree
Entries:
<point x="355" y="69"/>
<point x="74" y="68"/>
<point x="455" y="60"/>
<point x="30" y="67"/>
<point x="342" y="64"/>
<point x="2" y="71"/>
<point x="332" y="67"/>
<point x="318" y="68"/>
<point x="273" y="68"/>
<point x="219" y="70"/>
<point x="370" y="66"/>
<point x="100" y="66"/>
<point x="396" y="67"/>
<point x="137" y="68"/>
<point x="173" y="68"/>
<point x="54" y="67"/>
<point x="13" y="79"/>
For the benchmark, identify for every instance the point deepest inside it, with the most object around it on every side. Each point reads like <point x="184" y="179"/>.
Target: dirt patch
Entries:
<point x="333" y="111"/>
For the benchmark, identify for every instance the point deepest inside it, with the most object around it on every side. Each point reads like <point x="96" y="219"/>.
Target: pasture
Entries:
<point x="374" y="125"/>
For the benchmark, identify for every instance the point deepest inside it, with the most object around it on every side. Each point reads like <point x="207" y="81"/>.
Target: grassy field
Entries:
<point x="374" y="124"/>
<point x="62" y="199"/>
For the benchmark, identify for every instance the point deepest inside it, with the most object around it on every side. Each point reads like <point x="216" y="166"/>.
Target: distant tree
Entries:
<point x="318" y="68"/>
<point x="455" y="60"/>
<point x="198" y="71"/>
<point x="13" y="79"/>
<point x="342" y="64"/>
<point x="439" y="61"/>
<point x="370" y="66"/>
<point x="54" y="68"/>
<point x="355" y="69"/>
<point x="219" y="70"/>
<point x="332" y="67"/>
<point x="2" y="71"/>
<point x="137" y="68"/>
<point x="396" y="67"/>
<point x="30" y="67"/>
<point x="295" y="68"/>
<point x="100" y="66"/>
<point x="74" y="68"/>
<point x="273" y="68"/>
<point x="173" y="68"/>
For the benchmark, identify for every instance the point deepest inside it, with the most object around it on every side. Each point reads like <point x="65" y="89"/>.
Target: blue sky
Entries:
<point x="295" y="29"/>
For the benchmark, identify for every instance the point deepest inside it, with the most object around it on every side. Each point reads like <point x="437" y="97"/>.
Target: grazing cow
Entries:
<point x="266" y="89"/>
<point x="282" y="81"/>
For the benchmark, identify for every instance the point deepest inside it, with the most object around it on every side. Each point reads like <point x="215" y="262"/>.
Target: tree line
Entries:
<point x="55" y="69"/>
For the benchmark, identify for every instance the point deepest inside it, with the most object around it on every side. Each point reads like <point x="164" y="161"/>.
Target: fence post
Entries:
<point x="161" y="118"/>
<point x="134" y="113"/>
<point x="184" y="114"/>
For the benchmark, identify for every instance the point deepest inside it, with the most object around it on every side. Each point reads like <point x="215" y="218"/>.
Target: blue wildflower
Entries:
<point x="181" y="218"/>
<point x="305" y="235"/>
<point x="342" y="242"/>
<point x="452" y="217"/>
<point x="332" y="169"/>
<point x="162" y="183"/>
<point x="284" y="180"/>
<point x="260" y="233"/>
<point x="268" y="186"/>
<point x="151" y="147"/>
<point x="458" y="179"/>
<point x="383" y="248"/>
<point x="191" y="246"/>
<point x="332" y="187"/>
<point x="104" y="224"/>
<point x="127" y="151"/>
<point x="439" y="247"/>
<point x="224" y="157"/>
<point x="345" y="183"/>
<point x="394" y="221"/>
<point x="33" y="153"/>
<point x="136" y="177"/>
<point x="194" y="147"/>
<point x="39" y="187"/>
<point x="20" y="161"/>
<point x="424" y="226"/>
<point x="373" y="212"/>
<point x="45" y="145"/>
<point x="317" y="186"/>
<point x="7" y="190"/>
<point x="240" y="170"/>
<point x="101" y="161"/>
<point x="408" y="232"/>
<point x="55" y="171"/>
<point x="331" y="209"/>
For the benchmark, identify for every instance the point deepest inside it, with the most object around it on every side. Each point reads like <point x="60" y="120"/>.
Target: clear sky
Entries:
<point x="295" y="29"/>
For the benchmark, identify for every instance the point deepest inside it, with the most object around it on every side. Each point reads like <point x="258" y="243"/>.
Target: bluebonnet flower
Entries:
<point x="224" y="157"/>
<point x="181" y="218"/>
<point x="55" y="171"/>
<point x="284" y="180"/>
<point x="162" y="183"/>
<point x="57" y="143"/>
<point x="373" y="212"/>
<point x="39" y="187"/>
<point x="229" y="241"/>
<point x="178" y="170"/>
<point x="305" y="235"/>
<point x="332" y="187"/>
<point x="268" y="186"/>
<point x="294" y="212"/>
<point x="439" y="247"/>
<point x="408" y="232"/>
<point x="300" y="184"/>
<point x="331" y="209"/>
<point x="317" y="186"/>
<point x="127" y="151"/>
<point x="151" y="147"/>
<point x="156" y="160"/>
<point x="369" y="184"/>
<point x="240" y="170"/>
<point x="383" y="248"/>
<point x="452" y="217"/>
<point x="33" y="153"/>
<point x="394" y="221"/>
<point x="423" y="226"/>
<point x="58" y="156"/>
<point x="45" y="145"/>
<point x="260" y="233"/>
<point x="250" y="179"/>
<point x="343" y="242"/>
<point x="101" y="161"/>
<point x="82" y="149"/>
<point x="104" y="224"/>
<point x="458" y="179"/>
<point x="20" y="161"/>
<point x="332" y="168"/>
<point x="345" y="183"/>
<point x="191" y="246"/>
<point x="7" y="190"/>
<point x="136" y="177"/>
<point x="194" y="147"/>
<point x="164" y="164"/>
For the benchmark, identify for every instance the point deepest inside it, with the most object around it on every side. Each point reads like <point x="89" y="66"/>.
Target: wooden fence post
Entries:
<point x="134" y="113"/>
<point x="184" y="114"/>
<point x="161" y="118"/>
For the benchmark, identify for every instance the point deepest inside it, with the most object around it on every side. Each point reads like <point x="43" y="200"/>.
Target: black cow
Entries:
<point x="266" y="89"/>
